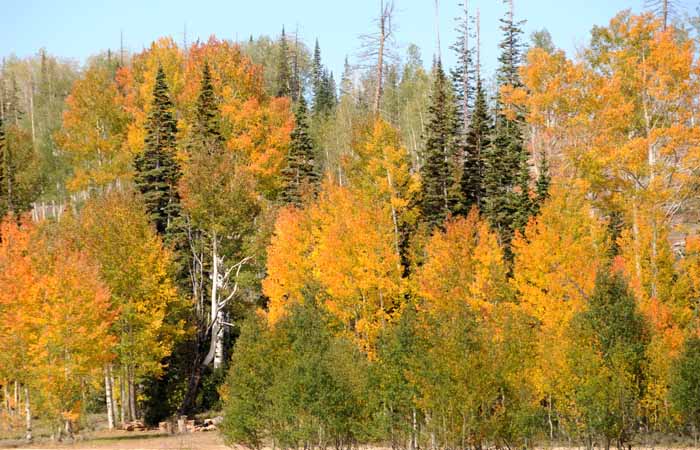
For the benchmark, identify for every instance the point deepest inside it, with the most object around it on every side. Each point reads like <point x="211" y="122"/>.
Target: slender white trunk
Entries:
<point x="215" y="353"/>
<point x="123" y="398"/>
<point x="114" y="396"/>
<point x="108" y="399"/>
<point x="132" y="396"/>
<point x="28" y="414"/>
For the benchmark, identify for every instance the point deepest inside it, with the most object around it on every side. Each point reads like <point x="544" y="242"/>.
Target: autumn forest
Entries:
<point x="408" y="255"/>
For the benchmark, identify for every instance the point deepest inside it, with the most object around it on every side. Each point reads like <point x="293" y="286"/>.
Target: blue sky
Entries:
<point x="80" y="28"/>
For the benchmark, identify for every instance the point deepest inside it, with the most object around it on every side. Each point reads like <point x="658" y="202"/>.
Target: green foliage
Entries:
<point x="685" y="386"/>
<point x="301" y="176"/>
<point x="438" y="172"/>
<point x="507" y="202"/>
<point x="296" y="383"/>
<point x="157" y="170"/>
<point x="476" y="144"/>
<point x="608" y="361"/>
<point x="19" y="170"/>
<point x="284" y="75"/>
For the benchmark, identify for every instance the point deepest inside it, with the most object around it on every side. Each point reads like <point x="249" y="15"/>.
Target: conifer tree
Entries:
<point x="437" y="172"/>
<point x="300" y="175"/>
<point x="157" y="169"/>
<point x="346" y="79"/>
<point x="284" y="76"/>
<point x="477" y="142"/>
<point x="206" y="131"/>
<point x="507" y="202"/>
<point x="316" y="69"/>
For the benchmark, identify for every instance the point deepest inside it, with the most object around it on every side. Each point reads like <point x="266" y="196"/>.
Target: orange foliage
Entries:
<point x="464" y="264"/>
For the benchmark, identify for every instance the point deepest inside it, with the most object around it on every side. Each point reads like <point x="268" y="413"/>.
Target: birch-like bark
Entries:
<point x="115" y="411"/>
<point x="28" y="415"/>
<point x="123" y="397"/>
<point x="132" y="396"/>
<point x="108" y="399"/>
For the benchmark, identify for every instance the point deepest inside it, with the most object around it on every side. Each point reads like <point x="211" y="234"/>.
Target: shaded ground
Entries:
<point x="123" y="440"/>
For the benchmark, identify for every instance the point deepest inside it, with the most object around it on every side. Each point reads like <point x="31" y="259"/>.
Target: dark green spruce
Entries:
<point x="300" y="175"/>
<point x="157" y="169"/>
<point x="284" y="73"/>
<point x="207" y="129"/>
<point x="437" y="172"/>
<point x="507" y="202"/>
<point x="477" y="141"/>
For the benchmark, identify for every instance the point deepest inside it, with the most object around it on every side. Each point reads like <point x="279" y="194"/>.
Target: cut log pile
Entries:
<point x="183" y="425"/>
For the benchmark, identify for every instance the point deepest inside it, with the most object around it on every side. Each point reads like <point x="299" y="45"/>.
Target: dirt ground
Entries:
<point x="122" y="440"/>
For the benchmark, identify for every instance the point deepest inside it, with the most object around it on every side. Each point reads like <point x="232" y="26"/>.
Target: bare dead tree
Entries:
<point x="664" y="9"/>
<point x="377" y="47"/>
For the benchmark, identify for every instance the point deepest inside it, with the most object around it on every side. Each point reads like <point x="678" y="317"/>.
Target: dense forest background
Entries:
<point x="406" y="254"/>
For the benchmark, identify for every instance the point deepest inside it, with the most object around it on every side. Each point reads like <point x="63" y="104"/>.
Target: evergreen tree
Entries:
<point x="346" y="83"/>
<point x="284" y="75"/>
<point x="157" y="169"/>
<point x="507" y="202"/>
<point x="316" y="70"/>
<point x="437" y="172"/>
<point x="207" y="131"/>
<point x="300" y="175"/>
<point x="477" y="142"/>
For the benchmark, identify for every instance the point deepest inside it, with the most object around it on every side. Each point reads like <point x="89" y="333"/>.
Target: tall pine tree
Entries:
<point x="477" y="141"/>
<point x="507" y="202"/>
<point x="207" y="130"/>
<point x="300" y="174"/>
<point x="437" y="172"/>
<point x="284" y="74"/>
<point x="157" y="169"/>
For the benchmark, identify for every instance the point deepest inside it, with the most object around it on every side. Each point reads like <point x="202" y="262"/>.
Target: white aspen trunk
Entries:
<point x="112" y="385"/>
<point x="16" y="403"/>
<point x="123" y="398"/>
<point x="28" y="415"/>
<point x="132" y="396"/>
<point x="215" y="353"/>
<point x="109" y="399"/>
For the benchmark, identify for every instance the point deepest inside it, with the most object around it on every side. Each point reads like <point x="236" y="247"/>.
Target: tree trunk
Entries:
<point x="28" y="415"/>
<point x="123" y="397"/>
<point x="132" y="396"/>
<point x="109" y="399"/>
<point x="16" y="405"/>
<point x="380" y="59"/>
<point x="114" y="397"/>
<point x="215" y="353"/>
